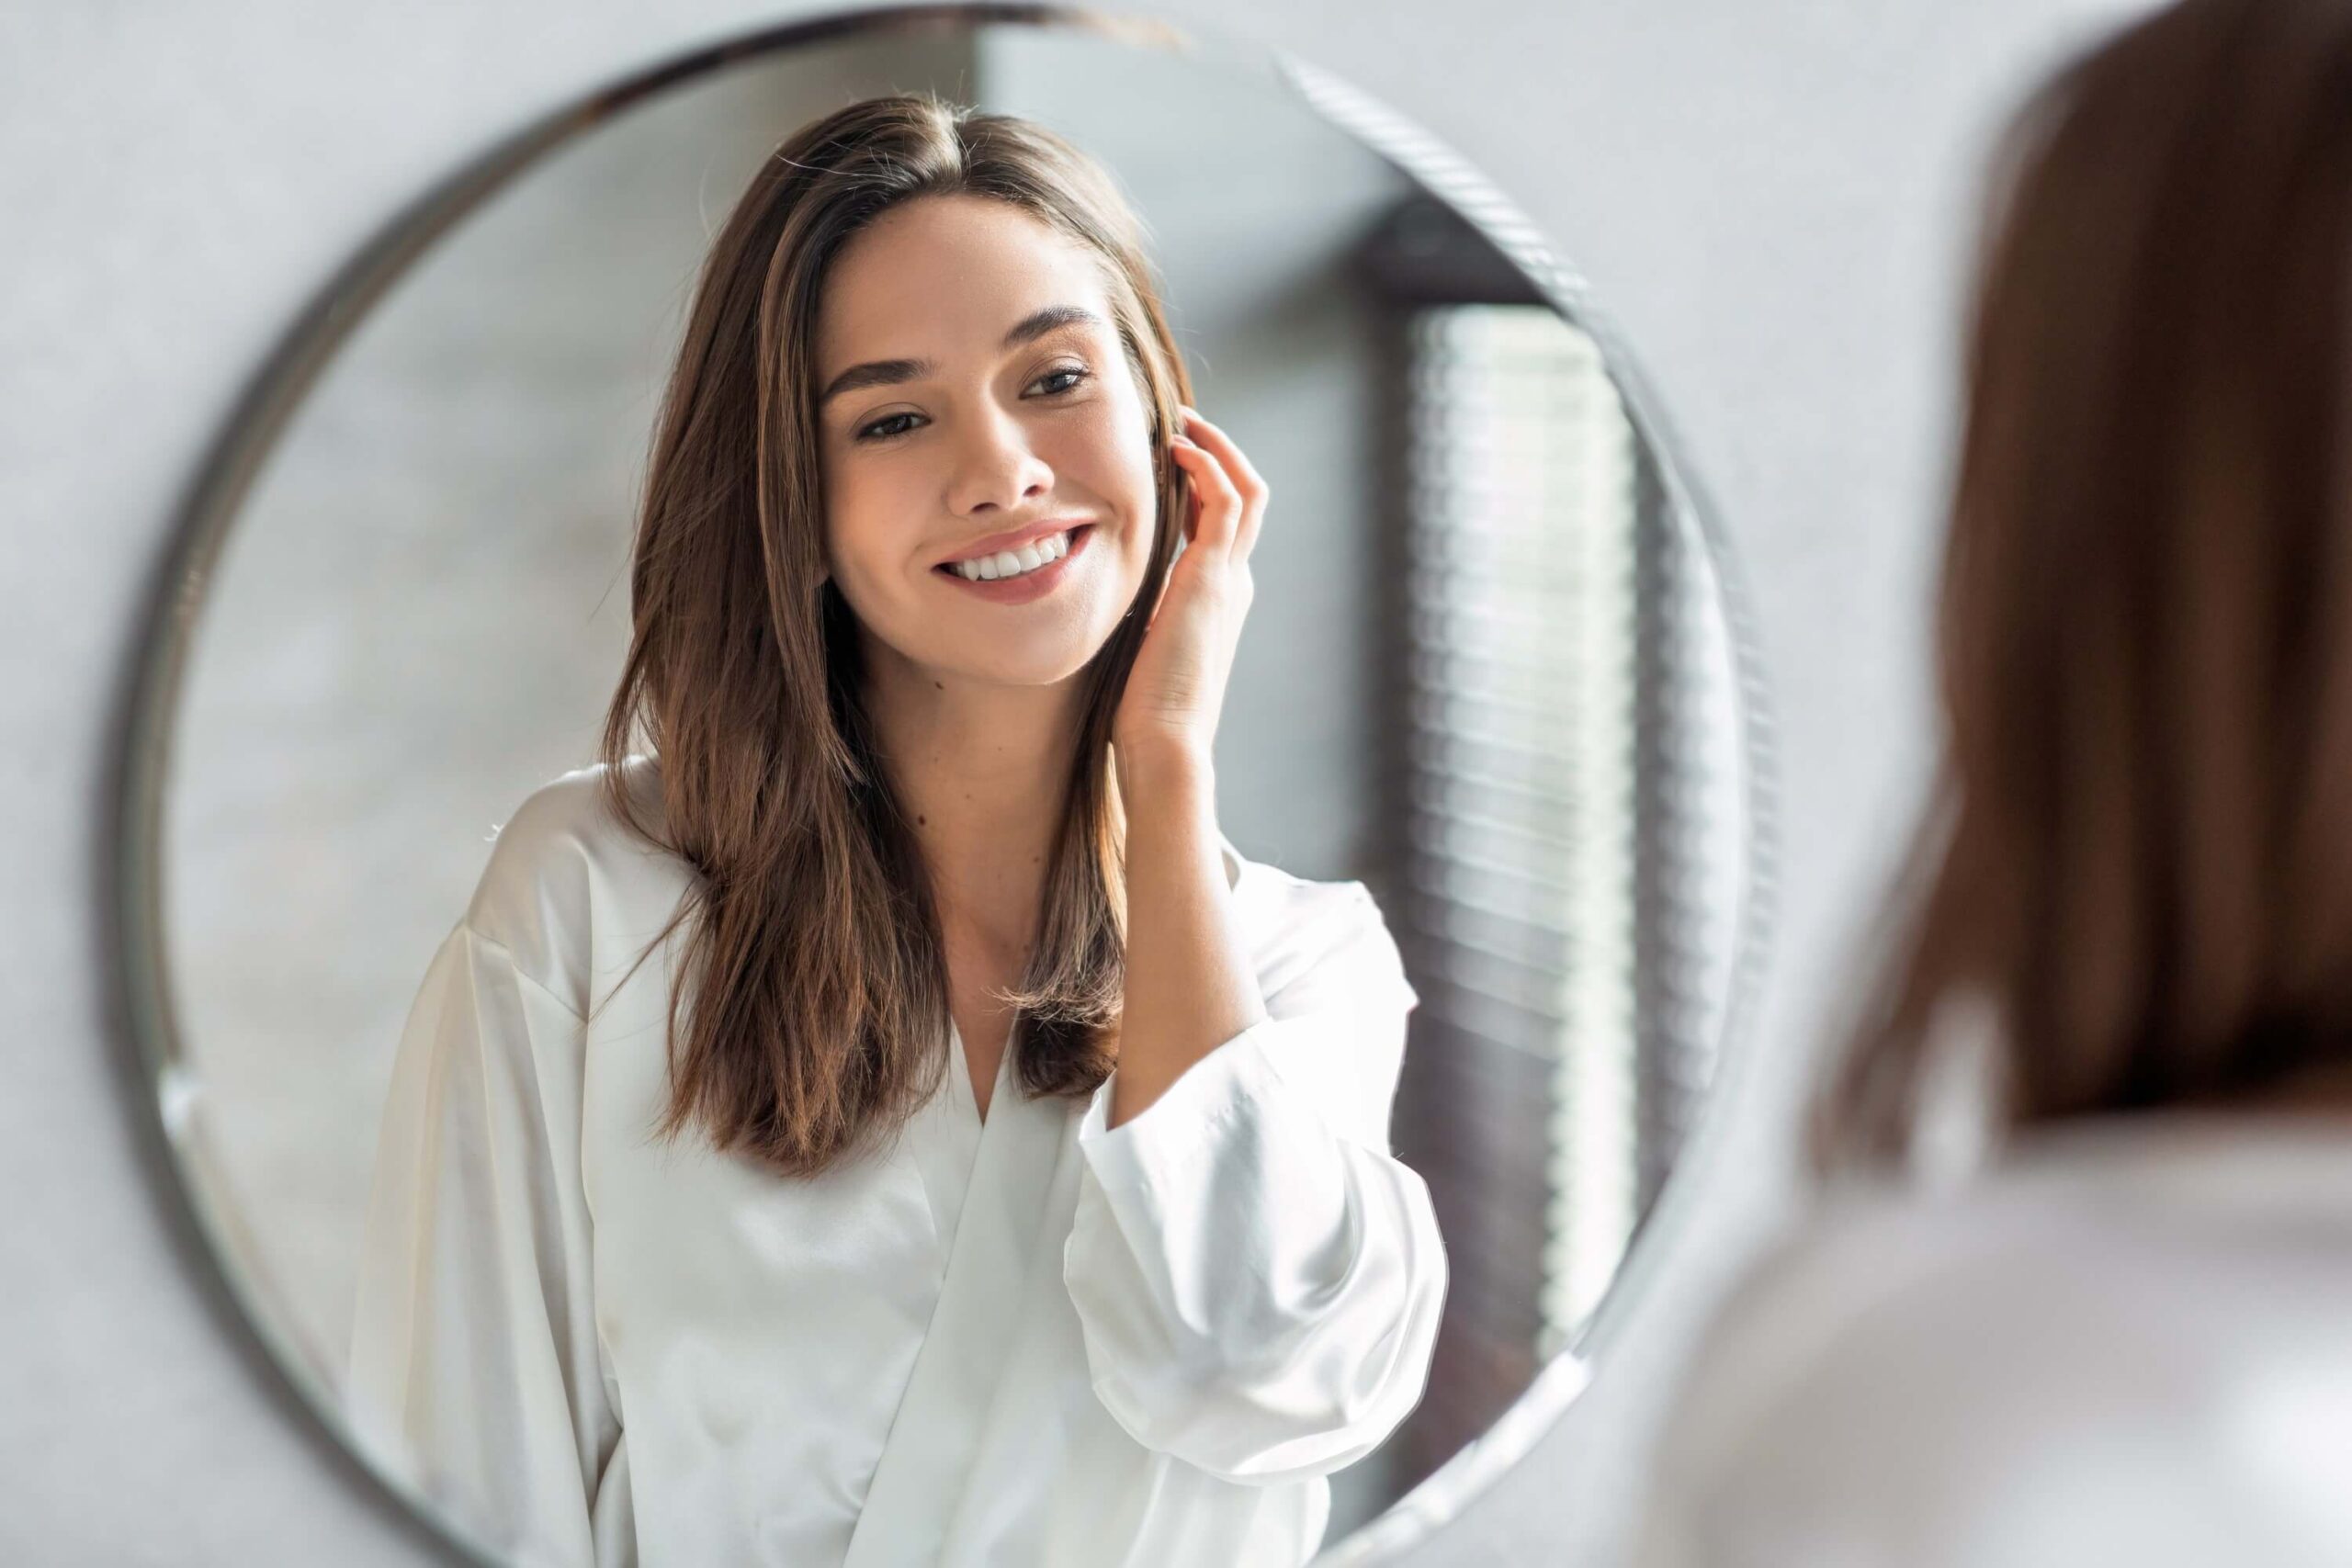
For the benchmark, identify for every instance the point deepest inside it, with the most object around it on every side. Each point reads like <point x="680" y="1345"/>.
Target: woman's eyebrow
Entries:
<point x="890" y="372"/>
<point x="1037" y="323"/>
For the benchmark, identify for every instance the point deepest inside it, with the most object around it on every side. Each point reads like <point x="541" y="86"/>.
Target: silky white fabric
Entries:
<point x="1032" y="1341"/>
<point x="2131" y="1343"/>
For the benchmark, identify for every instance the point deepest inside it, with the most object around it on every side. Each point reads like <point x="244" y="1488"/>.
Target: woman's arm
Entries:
<point x="1258" y="1281"/>
<point x="475" y="1374"/>
<point x="1191" y="984"/>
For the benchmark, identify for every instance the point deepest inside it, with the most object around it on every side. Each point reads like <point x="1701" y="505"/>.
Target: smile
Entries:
<point x="1013" y="563"/>
<point x="1016" y="577"/>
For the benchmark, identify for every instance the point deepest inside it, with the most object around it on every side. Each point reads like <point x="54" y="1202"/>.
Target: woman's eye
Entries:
<point x="1053" y="383"/>
<point x="1075" y="374"/>
<point x="884" y="428"/>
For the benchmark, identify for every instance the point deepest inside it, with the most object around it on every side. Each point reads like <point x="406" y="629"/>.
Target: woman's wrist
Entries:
<point x="1164" y="774"/>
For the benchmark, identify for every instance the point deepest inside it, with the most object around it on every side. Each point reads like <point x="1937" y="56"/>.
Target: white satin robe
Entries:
<point x="1036" y="1341"/>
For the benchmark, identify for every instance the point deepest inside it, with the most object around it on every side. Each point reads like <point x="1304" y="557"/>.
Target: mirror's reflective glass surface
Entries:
<point x="1488" y="671"/>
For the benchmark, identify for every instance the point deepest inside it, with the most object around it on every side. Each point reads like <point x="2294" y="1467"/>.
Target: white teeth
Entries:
<point x="1013" y="563"/>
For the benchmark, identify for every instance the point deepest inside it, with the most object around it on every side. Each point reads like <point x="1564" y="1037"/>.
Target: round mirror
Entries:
<point x="1493" y="672"/>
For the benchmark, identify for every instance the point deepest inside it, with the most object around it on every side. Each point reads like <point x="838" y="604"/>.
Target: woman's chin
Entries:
<point x="1052" y="662"/>
<point x="1040" y="655"/>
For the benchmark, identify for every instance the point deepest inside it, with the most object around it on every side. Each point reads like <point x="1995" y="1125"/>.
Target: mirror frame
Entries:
<point x="161" y="1086"/>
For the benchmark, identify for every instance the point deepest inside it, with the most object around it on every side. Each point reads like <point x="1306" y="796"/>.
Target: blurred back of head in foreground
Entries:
<point x="2139" y="854"/>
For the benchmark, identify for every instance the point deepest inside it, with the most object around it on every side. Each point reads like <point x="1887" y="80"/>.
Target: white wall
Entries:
<point x="1767" y="194"/>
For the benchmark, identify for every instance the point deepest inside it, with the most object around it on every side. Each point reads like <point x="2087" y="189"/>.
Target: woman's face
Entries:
<point x="973" y="393"/>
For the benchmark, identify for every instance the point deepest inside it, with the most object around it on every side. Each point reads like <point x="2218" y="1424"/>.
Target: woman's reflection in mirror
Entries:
<point x="873" y="1114"/>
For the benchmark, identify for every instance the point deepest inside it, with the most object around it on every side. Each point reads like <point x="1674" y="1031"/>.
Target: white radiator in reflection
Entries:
<point x="1522" y="524"/>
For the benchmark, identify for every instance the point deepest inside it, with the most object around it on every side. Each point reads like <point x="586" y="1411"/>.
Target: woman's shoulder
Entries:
<point x="2066" y="1224"/>
<point x="1301" y="924"/>
<point x="2095" y="1192"/>
<point x="2055" y="1321"/>
<point x="567" y="865"/>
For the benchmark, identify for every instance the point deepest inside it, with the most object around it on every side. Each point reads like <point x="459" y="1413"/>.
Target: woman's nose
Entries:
<point x="995" y="467"/>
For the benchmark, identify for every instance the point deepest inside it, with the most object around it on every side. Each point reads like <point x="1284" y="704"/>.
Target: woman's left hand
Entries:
<point x="1176" y="687"/>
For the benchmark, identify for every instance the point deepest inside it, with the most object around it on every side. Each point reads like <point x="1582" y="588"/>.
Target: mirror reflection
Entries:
<point x="851" y="600"/>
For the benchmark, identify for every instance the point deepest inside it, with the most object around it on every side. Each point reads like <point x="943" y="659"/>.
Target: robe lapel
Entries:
<point x="928" y="1456"/>
<point x="999" y="1483"/>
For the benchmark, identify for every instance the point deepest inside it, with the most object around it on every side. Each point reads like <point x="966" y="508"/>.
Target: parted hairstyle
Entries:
<point x="808" y="1009"/>
<point x="2137" y="860"/>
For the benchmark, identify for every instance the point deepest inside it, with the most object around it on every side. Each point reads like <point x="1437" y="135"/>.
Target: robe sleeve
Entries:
<point x="476" y="1375"/>
<point x="1258" y="1279"/>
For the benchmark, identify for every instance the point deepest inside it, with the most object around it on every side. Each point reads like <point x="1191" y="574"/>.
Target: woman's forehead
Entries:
<point x="950" y="274"/>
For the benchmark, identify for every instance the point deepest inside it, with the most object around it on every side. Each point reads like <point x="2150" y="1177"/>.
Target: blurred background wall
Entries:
<point x="1771" y="199"/>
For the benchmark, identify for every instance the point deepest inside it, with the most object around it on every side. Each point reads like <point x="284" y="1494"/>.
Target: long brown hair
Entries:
<point x="2138" y="855"/>
<point x="809" y="1009"/>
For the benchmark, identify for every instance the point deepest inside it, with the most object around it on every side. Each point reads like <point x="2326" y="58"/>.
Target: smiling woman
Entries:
<point x="932" y="752"/>
<point x="990" y="440"/>
<point x="881" y="822"/>
<point x="874" y="1111"/>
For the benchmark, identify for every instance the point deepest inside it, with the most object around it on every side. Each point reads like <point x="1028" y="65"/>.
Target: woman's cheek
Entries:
<point x="1121" y="436"/>
<point x="856" y="511"/>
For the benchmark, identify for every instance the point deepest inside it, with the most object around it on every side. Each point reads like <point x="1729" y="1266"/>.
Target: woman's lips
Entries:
<point x="1015" y="540"/>
<point x="1029" y="585"/>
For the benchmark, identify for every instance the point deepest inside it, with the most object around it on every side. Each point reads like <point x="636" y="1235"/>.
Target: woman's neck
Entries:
<point x="980" y="771"/>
